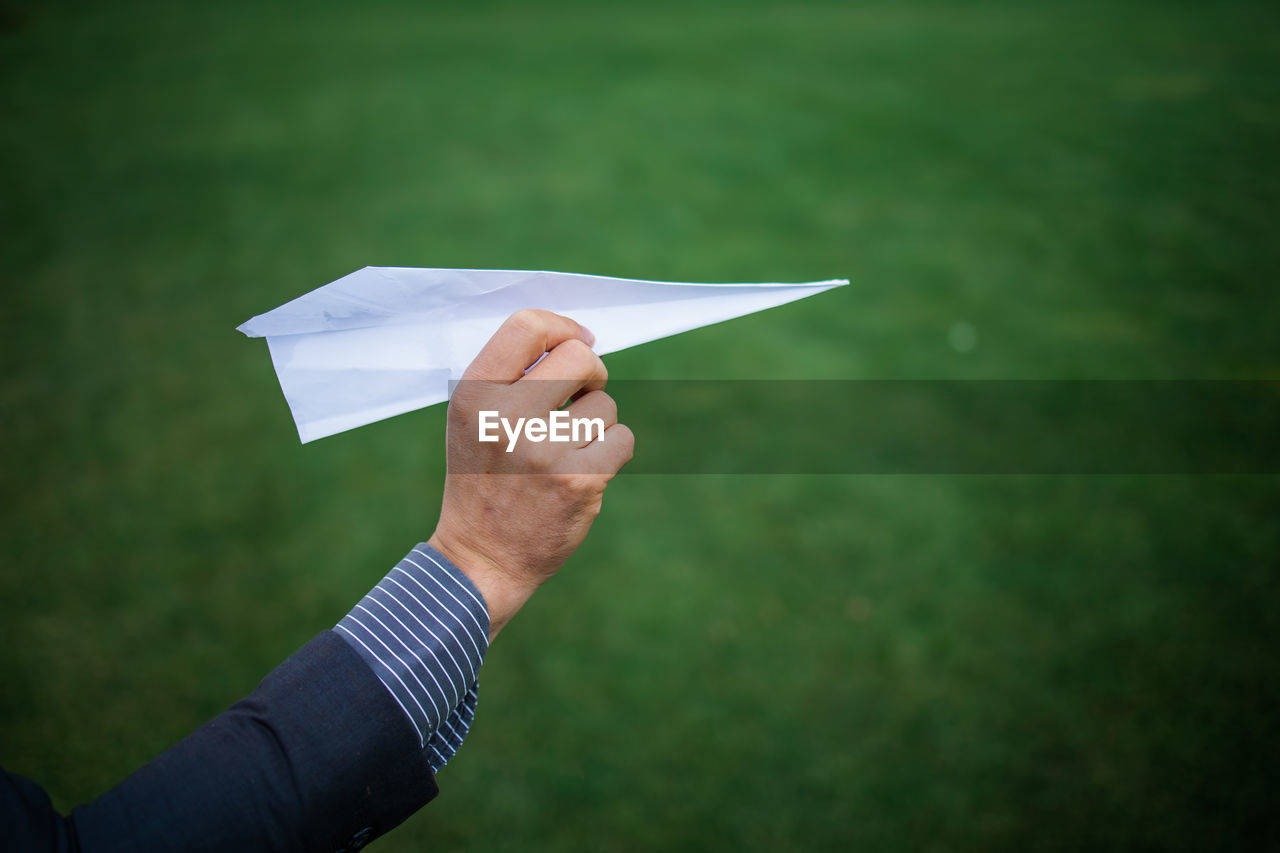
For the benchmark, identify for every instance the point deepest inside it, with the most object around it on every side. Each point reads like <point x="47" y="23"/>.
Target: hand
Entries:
<point x="511" y="519"/>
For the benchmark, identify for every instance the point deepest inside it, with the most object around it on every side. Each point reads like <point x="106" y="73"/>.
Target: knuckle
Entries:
<point x="537" y="460"/>
<point x="581" y="359"/>
<point x="583" y="487"/>
<point x="626" y="439"/>
<point x="529" y="321"/>
<point x="575" y="349"/>
<point x="607" y="405"/>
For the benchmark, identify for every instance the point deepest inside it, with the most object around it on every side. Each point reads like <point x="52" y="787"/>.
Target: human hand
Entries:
<point x="510" y="519"/>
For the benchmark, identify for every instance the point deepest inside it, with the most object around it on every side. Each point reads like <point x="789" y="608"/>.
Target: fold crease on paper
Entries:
<point x="387" y="340"/>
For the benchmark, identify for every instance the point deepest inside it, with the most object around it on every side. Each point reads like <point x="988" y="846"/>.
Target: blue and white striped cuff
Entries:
<point x="424" y="630"/>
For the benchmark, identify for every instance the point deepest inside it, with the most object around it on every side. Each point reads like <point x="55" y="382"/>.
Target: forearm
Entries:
<point x="317" y="755"/>
<point x="338" y="743"/>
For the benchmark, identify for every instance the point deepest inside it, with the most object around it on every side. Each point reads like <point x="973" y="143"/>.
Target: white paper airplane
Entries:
<point x="387" y="340"/>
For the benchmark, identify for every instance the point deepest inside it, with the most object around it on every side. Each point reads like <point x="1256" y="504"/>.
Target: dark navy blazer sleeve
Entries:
<point x="319" y="757"/>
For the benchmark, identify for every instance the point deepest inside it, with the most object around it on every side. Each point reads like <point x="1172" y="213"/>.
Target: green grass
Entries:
<point x="772" y="663"/>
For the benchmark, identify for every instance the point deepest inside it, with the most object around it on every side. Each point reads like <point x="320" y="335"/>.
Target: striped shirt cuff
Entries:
<point x="424" y="630"/>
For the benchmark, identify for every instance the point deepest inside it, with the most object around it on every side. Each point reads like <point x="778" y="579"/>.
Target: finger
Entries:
<point x="605" y="457"/>
<point x="569" y="368"/>
<point x="596" y="405"/>
<point x="520" y="341"/>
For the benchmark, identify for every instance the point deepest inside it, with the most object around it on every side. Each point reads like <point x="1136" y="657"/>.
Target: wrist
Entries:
<point x="503" y="594"/>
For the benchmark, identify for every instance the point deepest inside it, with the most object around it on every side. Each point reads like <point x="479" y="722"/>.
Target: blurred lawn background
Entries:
<point x="769" y="663"/>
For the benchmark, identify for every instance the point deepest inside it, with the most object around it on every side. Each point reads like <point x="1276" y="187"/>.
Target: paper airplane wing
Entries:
<point x="386" y="340"/>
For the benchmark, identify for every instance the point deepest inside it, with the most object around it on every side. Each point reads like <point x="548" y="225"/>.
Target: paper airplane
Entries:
<point x="387" y="340"/>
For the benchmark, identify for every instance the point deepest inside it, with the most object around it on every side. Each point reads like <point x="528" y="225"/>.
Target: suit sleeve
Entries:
<point x="319" y="757"/>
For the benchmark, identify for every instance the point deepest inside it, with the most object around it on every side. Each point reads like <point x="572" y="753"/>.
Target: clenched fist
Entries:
<point x="514" y="509"/>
